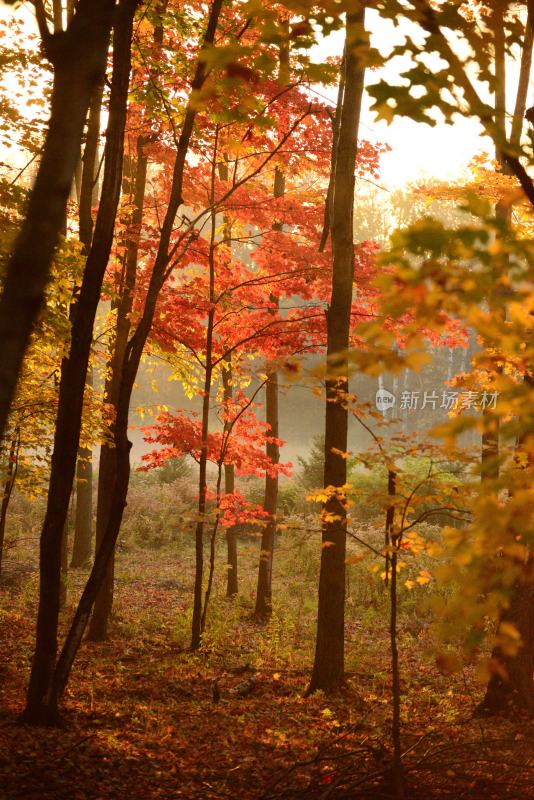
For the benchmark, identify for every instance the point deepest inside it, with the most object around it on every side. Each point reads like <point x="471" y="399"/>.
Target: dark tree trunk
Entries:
<point x="264" y="590"/>
<point x="510" y="688"/>
<point x="78" y="56"/>
<point x="41" y="707"/>
<point x="490" y="421"/>
<point x="132" y="357"/>
<point x="98" y="629"/>
<point x="83" y="526"/>
<point x="135" y="173"/>
<point x="9" y="483"/>
<point x="328" y="667"/>
<point x="232" y="586"/>
<point x="82" y="545"/>
<point x="198" y="618"/>
<point x="57" y="13"/>
<point x="263" y="608"/>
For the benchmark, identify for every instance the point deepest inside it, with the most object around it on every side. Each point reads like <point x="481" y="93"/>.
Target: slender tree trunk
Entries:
<point x="130" y="366"/>
<point x="232" y="587"/>
<point x="57" y="12"/>
<point x="196" y="625"/>
<point x="98" y="629"/>
<point x="83" y="526"/>
<point x="264" y="589"/>
<point x="263" y="607"/>
<point x="41" y="707"/>
<point x="82" y="545"/>
<point x="198" y="621"/>
<point x="213" y="539"/>
<point x="328" y="667"/>
<point x="78" y="56"/>
<point x="393" y="541"/>
<point x="511" y="687"/>
<point x="135" y="175"/>
<point x="9" y="483"/>
<point x="490" y="421"/>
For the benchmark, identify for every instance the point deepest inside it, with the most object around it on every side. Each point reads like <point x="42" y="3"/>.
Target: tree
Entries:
<point x="328" y="667"/>
<point x="130" y="365"/>
<point x="78" y="57"/>
<point x="83" y="526"/>
<point x="263" y="605"/>
<point x="502" y="21"/>
<point x="41" y="702"/>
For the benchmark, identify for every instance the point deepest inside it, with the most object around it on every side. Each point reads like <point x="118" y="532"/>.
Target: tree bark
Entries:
<point x="232" y="586"/>
<point x="83" y="526"/>
<point x="328" y="667"/>
<point x="263" y="608"/>
<point x="135" y="175"/>
<point x="510" y="687"/>
<point x="198" y="622"/>
<point x="78" y="56"/>
<point x="82" y="545"/>
<point x="98" y="629"/>
<point x="264" y="590"/>
<point x="41" y="707"/>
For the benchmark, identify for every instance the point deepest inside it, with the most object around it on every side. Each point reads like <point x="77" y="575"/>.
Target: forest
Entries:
<point x="266" y="399"/>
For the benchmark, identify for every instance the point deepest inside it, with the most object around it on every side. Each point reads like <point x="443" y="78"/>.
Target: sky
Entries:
<point x="418" y="152"/>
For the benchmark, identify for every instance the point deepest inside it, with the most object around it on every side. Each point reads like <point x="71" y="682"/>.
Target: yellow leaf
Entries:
<point x="423" y="577"/>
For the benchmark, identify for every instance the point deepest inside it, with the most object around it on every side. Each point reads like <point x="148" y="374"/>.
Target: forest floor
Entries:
<point x="141" y="721"/>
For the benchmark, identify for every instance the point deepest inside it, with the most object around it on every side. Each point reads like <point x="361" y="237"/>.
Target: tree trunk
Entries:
<point x="83" y="525"/>
<point x="232" y="587"/>
<point x="135" y="185"/>
<point x="263" y="608"/>
<point x="264" y="590"/>
<point x="510" y="687"/>
<point x="98" y="629"/>
<point x="328" y="667"/>
<point x="9" y="483"/>
<point x="40" y="707"/>
<point x="198" y="620"/>
<point x="78" y="56"/>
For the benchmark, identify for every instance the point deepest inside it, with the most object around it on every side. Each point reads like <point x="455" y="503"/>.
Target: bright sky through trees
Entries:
<point x="418" y="152"/>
